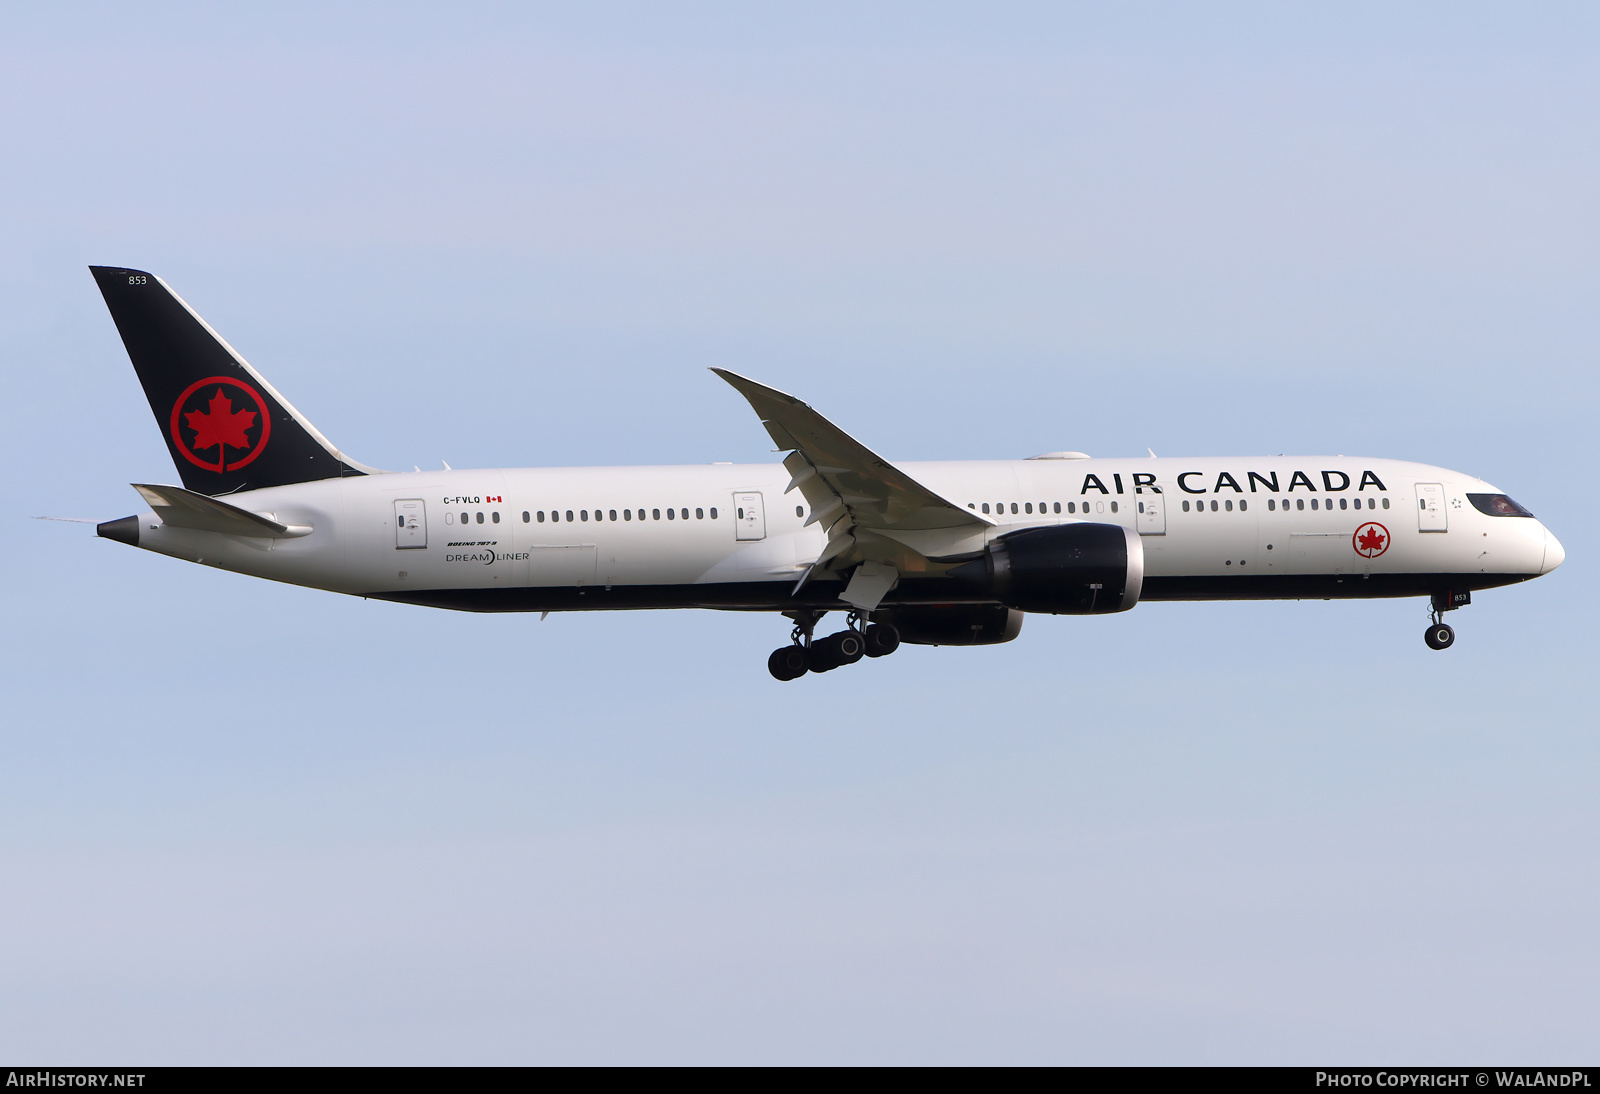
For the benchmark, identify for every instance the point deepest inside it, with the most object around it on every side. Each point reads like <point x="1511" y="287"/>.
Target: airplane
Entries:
<point x="933" y="553"/>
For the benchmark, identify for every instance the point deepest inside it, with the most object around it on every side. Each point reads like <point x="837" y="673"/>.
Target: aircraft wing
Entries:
<point x="873" y="512"/>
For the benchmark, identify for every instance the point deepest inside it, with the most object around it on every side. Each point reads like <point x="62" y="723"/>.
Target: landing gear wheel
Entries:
<point x="787" y="663"/>
<point x="843" y="648"/>
<point x="819" y="657"/>
<point x="882" y="640"/>
<point x="1439" y="636"/>
<point x="847" y="647"/>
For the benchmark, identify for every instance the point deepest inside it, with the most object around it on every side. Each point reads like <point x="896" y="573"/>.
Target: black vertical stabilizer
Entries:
<point x="226" y="427"/>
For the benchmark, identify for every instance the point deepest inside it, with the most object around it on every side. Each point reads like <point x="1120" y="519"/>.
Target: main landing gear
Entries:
<point x="1440" y="635"/>
<point x="859" y="639"/>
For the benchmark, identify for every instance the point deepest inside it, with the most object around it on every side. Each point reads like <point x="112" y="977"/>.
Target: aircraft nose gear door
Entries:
<point x="750" y="518"/>
<point x="410" y="523"/>
<point x="1430" y="507"/>
<point x="1152" y="513"/>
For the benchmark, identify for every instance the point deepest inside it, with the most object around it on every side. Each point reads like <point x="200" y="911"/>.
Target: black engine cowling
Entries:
<point x="953" y="625"/>
<point x="1068" y="569"/>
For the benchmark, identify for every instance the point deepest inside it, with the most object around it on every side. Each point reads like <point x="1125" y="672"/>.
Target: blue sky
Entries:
<point x="251" y="823"/>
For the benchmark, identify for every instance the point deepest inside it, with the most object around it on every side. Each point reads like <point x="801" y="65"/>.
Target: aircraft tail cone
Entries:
<point x="125" y="530"/>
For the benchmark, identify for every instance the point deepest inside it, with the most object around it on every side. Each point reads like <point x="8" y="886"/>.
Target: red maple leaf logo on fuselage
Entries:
<point x="1371" y="541"/>
<point x="220" y="425"/>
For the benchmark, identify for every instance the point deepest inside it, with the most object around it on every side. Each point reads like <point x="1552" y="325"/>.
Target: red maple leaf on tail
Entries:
<point x="220" y="425"/>
<point x="1370" y="540"/>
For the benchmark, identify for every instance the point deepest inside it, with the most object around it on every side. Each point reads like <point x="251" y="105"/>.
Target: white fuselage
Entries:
<point x="601" y="537"/>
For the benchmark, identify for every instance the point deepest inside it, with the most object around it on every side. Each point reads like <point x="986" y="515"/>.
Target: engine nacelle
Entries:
<point x="956" y="625"/>
<point x="1066" y="569"/>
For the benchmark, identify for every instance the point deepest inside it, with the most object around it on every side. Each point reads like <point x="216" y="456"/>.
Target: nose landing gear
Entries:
<point x="805" y="654"/>
<point x="1440" y="635"/>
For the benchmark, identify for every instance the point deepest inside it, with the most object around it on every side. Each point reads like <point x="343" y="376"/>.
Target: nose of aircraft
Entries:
<point x="1554" y="553"/>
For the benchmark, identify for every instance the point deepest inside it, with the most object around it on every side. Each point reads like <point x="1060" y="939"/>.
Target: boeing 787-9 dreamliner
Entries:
<point x="946" y="553"/>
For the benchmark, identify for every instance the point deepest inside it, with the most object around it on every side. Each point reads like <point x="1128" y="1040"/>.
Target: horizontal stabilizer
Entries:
<point x="180" y="508"/>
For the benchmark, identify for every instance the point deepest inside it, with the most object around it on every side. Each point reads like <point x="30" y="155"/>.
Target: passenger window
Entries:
<point x="1028" y="508"/>
<point x="713" y="514"/>
<point x="496" y="516"/>
<point x="1386" y="503"/>
<point x="1113" y="507"/>
<point x="465" y="519"/>
<point x="655" y="513"/>
<point x="527" y="517"/>
<point x="671" y="513"/>
<point x="1228" y="505"/>
<point x="1213" y="506"/>
<point x="1343" y="503"/>
<point x="449" y="518"/>
<point x="1185" y="507"/>
<point x="611" y="514"/>
<point x="569" y="516"/>
<point x="799" y="511"/>
<point x="1313" y="503"/>
<point x="1058" y="507"/>
<point x="985" y="507"/>
<point x="1271" y="505"/>
<point x="1243" y="505"/>
<point x="1300" y="503"/>
<point x="627" y="514"/>
<point x="684" y="513"/>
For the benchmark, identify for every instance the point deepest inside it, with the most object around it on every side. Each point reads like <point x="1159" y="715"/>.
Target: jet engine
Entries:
<point x="1067" y="569"/>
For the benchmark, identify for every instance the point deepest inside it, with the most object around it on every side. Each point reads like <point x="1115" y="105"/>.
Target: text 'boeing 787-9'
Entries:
<point x="950" y="553"/>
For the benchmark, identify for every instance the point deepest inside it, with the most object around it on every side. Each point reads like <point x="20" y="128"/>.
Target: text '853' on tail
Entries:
<point x="227" y="428"/>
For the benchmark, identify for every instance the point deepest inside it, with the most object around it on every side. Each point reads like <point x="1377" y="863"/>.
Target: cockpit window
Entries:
<point x="1497" y="505"/>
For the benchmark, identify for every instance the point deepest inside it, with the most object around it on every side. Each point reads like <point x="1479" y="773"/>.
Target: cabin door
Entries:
<point x="750" y="518"/>
<point x="1152" y="511"/>
<point x="410" y="524"/>
<point x="1430" y="507"/>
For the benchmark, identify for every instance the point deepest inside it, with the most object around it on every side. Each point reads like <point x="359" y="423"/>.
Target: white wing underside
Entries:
<point x="877" y="517"/>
